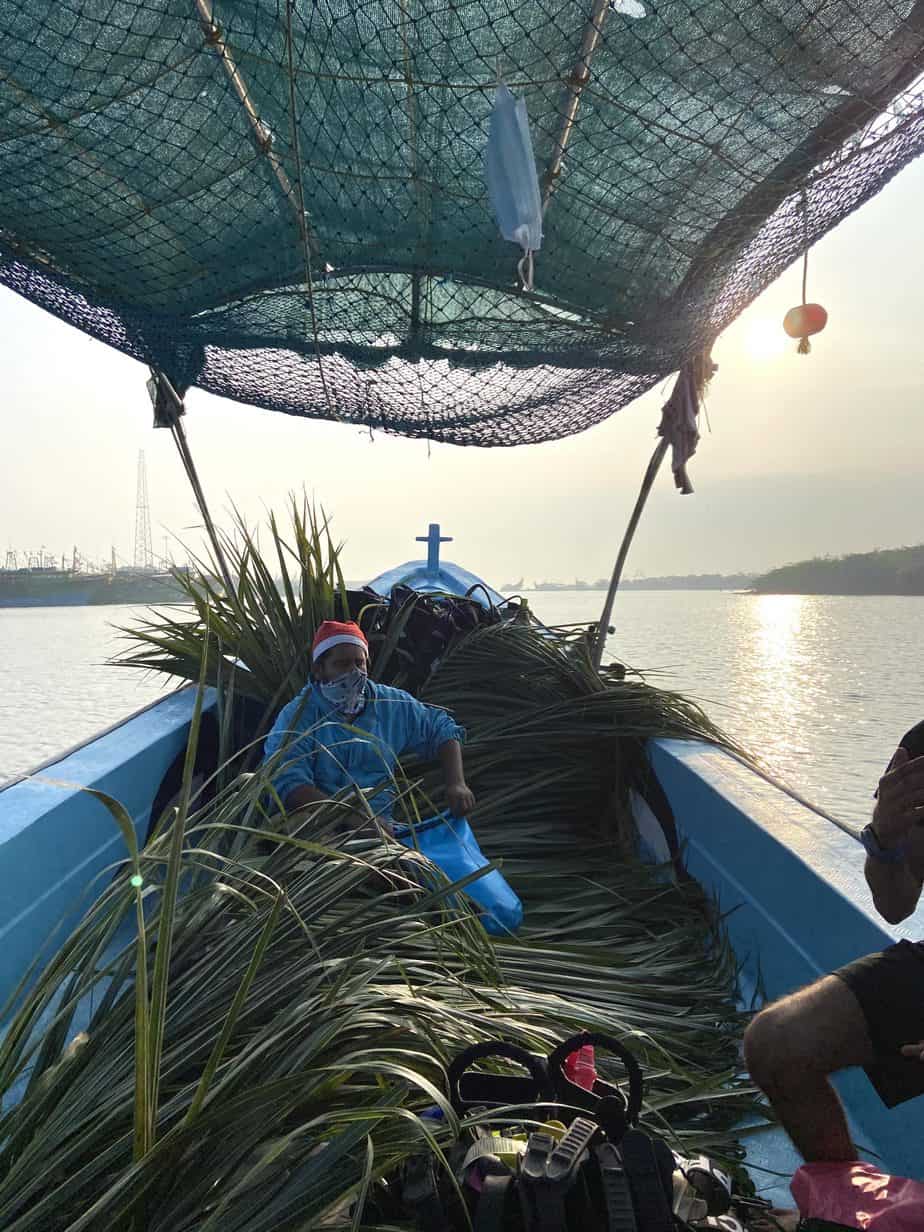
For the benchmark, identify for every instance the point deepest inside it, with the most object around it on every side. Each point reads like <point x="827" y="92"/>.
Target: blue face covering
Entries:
<point x="347" y="693"/>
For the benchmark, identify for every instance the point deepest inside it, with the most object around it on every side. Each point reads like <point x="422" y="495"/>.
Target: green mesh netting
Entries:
<point x="285" y="203"/>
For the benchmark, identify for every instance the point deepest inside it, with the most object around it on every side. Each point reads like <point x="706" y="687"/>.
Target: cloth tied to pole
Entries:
<point x="680" y="418"/>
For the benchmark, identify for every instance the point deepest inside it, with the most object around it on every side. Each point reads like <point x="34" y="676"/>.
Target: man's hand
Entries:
<point x="914" y="1051"/>
<point x="460" y="798"/>
<point x="900" y="803"/>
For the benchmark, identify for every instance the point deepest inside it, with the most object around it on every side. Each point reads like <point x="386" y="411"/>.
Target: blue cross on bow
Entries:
<point x="433" y="539"/>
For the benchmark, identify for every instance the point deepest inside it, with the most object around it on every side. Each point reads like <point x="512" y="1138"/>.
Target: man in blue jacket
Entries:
<point x="345" y="730"/>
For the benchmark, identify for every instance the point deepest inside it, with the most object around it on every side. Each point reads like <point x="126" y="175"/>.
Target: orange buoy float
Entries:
<point x="803" y="321"/>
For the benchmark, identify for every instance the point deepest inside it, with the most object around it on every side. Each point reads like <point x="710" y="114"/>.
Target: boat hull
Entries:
<point x="789" y="882"/>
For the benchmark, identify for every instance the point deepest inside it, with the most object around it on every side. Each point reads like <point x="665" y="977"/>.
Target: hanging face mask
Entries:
<point x="347" y="693"/>
<point x="513" y="185"/>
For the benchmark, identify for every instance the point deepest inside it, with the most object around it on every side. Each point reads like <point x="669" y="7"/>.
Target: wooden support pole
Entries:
<point x="653" y="466"/>
<point x="580" y="75"/>
<point x="261" y="134"/>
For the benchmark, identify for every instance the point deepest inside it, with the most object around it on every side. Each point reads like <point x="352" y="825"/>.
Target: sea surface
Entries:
<point x="821" y="687"/>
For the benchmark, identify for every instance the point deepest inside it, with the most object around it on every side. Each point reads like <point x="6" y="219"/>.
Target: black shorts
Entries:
<point x="890" y="989"/>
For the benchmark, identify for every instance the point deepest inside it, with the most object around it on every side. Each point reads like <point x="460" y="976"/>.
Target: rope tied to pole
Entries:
<point x="679" y="431"/>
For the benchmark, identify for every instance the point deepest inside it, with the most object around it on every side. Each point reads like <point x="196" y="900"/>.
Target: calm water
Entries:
<point x="821" y="687"/>
<point x="55" y="686"/>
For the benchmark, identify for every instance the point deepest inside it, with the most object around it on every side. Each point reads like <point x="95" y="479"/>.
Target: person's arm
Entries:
<point x="303" y="797"/>
<point x="290" y="746"/>
<point x="459" y="796"/>
<point x="431" y="732"/>
<point x="298" y="797"/>
<point x="897" y="823"/>
<point x="896" y="888"/>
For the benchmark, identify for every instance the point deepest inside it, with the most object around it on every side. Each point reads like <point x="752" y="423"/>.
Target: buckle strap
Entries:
<point x="620" y="1213"/>
<point x="567" y="1154"/>
<point x="487" y="1145"/>
<point x="533" y="1198"/>
<point x="547" y="1173"/>
<point x="646" y="1179"/>
<point x="492" y="1203"/>
<point x="421" y="1195"/>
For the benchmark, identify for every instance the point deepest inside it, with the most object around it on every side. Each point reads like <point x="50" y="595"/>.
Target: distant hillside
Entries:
<point x="691" y="581"/>
<point x="897" y="571"/>
<point x="688" y="581"/>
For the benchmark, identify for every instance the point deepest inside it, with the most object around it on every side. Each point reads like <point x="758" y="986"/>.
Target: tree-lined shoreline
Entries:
<point x="888" y="571"/>
<point x="892" y="571"/>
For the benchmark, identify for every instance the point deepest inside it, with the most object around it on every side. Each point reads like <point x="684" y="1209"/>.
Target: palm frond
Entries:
<point x="274" y="1003"/>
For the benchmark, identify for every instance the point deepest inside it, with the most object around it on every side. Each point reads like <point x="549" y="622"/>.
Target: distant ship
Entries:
<point x="577" y="584"/>
<point x="41" y="583"/>
<point x="42" y="586"/>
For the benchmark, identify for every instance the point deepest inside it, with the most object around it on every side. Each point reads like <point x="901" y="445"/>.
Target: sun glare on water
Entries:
<point x="765" y="339"/>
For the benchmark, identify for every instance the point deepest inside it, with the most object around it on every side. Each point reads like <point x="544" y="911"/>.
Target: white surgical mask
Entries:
<point x="513" y="185"/>
<point x="346" y="693"/>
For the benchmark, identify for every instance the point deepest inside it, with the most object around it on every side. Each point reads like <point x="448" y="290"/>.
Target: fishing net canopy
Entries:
<point x="284" y="201"/>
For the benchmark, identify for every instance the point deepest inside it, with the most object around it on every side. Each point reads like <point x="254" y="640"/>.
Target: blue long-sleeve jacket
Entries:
<point x="322" y="750"/>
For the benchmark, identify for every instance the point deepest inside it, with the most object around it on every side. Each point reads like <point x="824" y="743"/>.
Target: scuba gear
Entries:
<point x="548" y="1154"/>
<point x="426" y="626"/>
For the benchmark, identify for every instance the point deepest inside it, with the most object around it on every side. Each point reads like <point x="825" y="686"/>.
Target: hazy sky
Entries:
<point x="806" y="455"/>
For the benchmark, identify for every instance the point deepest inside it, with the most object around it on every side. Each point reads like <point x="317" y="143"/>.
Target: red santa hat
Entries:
<point x="335" y="633"/>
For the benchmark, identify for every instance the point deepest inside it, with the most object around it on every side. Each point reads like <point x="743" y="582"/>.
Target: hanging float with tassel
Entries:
<point x="805" y="319"/>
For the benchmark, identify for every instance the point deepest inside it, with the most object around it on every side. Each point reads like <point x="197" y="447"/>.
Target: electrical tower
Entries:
<point x="144" y="555"/>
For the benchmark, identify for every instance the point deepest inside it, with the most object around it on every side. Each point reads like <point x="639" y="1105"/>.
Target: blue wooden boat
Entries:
<point x="776" y="866"/>
<point x="234" y="196"/>
<point x="434" y="576"/>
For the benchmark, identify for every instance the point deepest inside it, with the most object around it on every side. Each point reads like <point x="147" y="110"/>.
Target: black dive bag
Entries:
<point x="548" y="1155"/>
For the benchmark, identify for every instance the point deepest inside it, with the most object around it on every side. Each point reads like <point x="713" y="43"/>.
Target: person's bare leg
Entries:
<point x="776" y="1221"/>
<point x="792" y="1046"/>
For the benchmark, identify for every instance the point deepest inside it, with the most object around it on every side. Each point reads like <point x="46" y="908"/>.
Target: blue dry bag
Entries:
<point x="449" y="842"/>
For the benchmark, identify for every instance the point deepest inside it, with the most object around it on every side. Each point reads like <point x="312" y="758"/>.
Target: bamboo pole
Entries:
<point x="580" y="75"/>
<point x="653" y="466"/>
<point x="262" y="135"/>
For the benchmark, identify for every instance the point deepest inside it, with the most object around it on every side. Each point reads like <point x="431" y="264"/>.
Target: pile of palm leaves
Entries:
<point x="250" y="617"/>
<point x="267" y="1005"/>
<point x="258" y="610"/>
<point x="262" y="1047"/>
<point x="553" y="744"/>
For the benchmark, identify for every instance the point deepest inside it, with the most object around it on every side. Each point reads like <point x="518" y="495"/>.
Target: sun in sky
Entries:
<point x="764" y="339"/>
